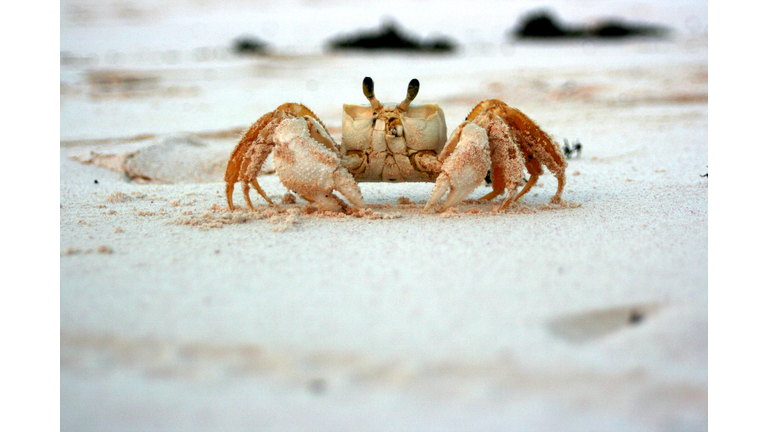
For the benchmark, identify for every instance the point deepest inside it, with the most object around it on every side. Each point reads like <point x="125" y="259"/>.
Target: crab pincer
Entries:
<point x="466" y="159"/>
<point x="308" y="164"/>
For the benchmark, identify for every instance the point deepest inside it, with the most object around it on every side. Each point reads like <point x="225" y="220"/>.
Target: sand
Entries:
<point x="177" y="314"/>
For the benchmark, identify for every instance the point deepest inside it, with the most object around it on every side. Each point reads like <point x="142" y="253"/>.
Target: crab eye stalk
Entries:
<point x="368" y="92"/>
<point x="368" y="87"/>
<point x="413" y="90"/>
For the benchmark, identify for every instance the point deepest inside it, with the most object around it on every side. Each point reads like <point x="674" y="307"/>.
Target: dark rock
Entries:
<point x="390" y="37"/>
<point x="542" y="25"/>
<point x="618" y="29"/>
<point x="249" y="45"/>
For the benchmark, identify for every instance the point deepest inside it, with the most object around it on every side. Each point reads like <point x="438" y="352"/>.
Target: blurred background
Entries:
<point x="627" y="79"/>
<point x="131" y="67"/>
<point x="305" y="27"/>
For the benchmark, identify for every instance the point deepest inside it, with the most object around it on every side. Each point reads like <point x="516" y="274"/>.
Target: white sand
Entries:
<point x="177" y="315"/>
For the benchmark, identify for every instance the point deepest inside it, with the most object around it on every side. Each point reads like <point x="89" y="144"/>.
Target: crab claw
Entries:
<point x="466" y="159"/>
<point x="306" y="164"/>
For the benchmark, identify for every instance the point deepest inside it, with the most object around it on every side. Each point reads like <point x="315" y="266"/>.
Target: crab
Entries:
<point x="388" y="142"/>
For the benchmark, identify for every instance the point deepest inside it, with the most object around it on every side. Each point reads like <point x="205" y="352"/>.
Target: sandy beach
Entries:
<point x="179" y="315"/>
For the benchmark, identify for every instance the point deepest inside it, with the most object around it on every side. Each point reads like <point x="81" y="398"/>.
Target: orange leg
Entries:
<point x="249" y="171"/>
<point x="258" y="188"/>
<point x="536" y="144"/>
<point x="532" y="181"/>
<point x="560" y="185"/>
<point x="233" y="171"/>
<point x="492" y="194"/>
<point x="247" y="196"/>
<point x="240" y="155"/>
<point x="534" y="169"/>
<point x="230" y="188"/>
<point x="506" y="164"/>
<point x="540" y="145"/>
<point x="497" y="176"/>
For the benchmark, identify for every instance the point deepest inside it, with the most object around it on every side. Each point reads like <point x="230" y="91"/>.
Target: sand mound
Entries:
<point x="175" y="159"/>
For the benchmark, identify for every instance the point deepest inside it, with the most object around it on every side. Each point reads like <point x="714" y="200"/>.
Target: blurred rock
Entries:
<point x="390" y="37"/>
<point x="618" y="29"/>
<point x="542" y="25"/>
<point x="249" y="45"/>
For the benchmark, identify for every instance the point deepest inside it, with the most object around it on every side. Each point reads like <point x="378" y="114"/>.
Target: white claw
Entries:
<point x="464" y="169"/>
<point x="310" y="168"/>
<point x="345" y="183"/>
<point x="441" y="186"/>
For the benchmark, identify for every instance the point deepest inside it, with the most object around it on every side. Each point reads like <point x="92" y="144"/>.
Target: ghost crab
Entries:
<point x="395" y="143"/>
